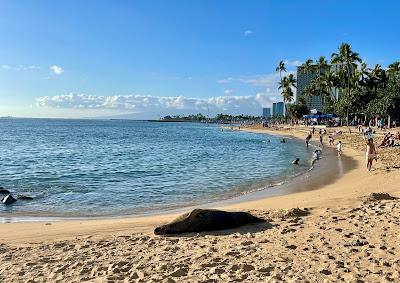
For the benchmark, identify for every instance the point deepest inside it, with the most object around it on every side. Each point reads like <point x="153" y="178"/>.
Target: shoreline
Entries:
<point x="281" y="186"/>
<point x="342" y="232"/>
<point x="328" y="195"/>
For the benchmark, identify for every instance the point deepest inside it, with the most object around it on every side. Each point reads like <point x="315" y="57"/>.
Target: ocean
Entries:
<point x="102" y="168"/>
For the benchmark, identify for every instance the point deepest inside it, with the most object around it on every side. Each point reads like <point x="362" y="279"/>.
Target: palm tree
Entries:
<point x="308" y="66"/>
<point x="286" y="86"/>
<point x="291" y="83"/>
<point x="347" y="60"/>
<point x="322" y="64"/>
<point x="394" y="69"/>
<point x="281" y="68"/>
<point x="329" y="82"/>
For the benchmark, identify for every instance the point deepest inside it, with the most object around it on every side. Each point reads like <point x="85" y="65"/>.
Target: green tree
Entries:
<point x="297" y="110"/>
<point x="281" y="68"/>
<point x="347" y="61"/>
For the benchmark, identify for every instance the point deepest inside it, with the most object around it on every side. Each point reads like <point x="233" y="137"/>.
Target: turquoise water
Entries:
<point x="116" y="167"/>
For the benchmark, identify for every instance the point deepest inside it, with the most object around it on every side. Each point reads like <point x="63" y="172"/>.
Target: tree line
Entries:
<point x="346" y="85"/>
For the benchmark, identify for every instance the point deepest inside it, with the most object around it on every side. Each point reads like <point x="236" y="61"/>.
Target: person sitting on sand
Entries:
<point x="387" y="140"/>
<point x="339" y="148"/>
<point x="370" y="153"/>
<point x="296" y="161"/>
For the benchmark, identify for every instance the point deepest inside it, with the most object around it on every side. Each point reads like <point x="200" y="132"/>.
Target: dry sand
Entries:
<point x="345" y="238"/>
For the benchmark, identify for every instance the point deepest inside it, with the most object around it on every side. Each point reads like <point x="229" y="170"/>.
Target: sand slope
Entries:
<point x="350" y="244"/>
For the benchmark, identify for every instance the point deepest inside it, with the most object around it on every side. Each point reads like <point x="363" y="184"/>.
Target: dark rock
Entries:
<point x="200" y="220"/>
<point x="358" y="243"/>
<point x="292" y="247"/>
<point x="380" y="196"/>
<point x="4" y="191"/>
<point x="9" y="199"/>
<point x="339" y="264"/>
<point x="24" y="197"/>
<point x="326" y="272"/>
<point x="295" y="213"/>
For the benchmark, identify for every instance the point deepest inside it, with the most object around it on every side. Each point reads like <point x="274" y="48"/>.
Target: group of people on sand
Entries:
<point x="389" y="139"/>
<point x="370" y="154"/>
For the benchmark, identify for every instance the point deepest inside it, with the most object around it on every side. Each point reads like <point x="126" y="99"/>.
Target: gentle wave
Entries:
<point x="79" y="168"/>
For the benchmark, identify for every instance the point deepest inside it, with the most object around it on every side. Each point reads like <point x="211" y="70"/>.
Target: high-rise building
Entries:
<point x="278" y="109"/>
<point x="304" y="79"/>
<point x="266" y="113"/>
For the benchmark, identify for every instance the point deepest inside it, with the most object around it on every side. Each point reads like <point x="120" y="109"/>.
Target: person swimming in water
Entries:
<point x="296" y="161"/>
<point x="283" y="141"/>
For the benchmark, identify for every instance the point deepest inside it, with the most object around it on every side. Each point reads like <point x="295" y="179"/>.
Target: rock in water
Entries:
<point x="24" y="197"/>
<point x="8" y="199"/>
<point x="200" y="220"/>
<point x="4" y="191"/>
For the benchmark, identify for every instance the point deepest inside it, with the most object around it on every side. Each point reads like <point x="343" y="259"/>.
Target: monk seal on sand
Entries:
<point x="200" y="220"/>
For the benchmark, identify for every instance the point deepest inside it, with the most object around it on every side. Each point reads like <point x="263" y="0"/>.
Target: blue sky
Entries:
<point x="151" y="58"/>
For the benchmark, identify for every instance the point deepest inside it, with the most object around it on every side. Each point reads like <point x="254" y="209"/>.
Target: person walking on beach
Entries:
<point x="320" y="141"/>
<point x="339" y="148"/>
<point x="370" y="153"/>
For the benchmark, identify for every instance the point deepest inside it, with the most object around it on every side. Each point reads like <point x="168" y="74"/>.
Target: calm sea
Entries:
<point x="116" y="167"/>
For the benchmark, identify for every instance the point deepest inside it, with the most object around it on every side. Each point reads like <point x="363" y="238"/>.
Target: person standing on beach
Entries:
<point x="331" y="140"/>
<point x="320" y="141"/>
<point x="339" y="148"/>
<point x="370" y="153"/>
<point x="308" y="139"/>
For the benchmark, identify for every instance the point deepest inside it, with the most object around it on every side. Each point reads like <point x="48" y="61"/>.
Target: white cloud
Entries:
<point x="248" y="33"/>
<point x="56" y="69"/>
<point x="225" y="81"/>
<point x="228" y="92"/>
<point x="293" y="63"/>
<point x="20" y="67"/>
<point x="268" y="80"/>
<point x="158" y="105"/>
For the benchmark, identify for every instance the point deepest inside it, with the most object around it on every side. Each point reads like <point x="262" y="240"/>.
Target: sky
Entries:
<point x="146" y="59"/>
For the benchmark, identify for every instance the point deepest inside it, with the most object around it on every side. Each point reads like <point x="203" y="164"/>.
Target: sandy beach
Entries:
<point x="346" y="236"/>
